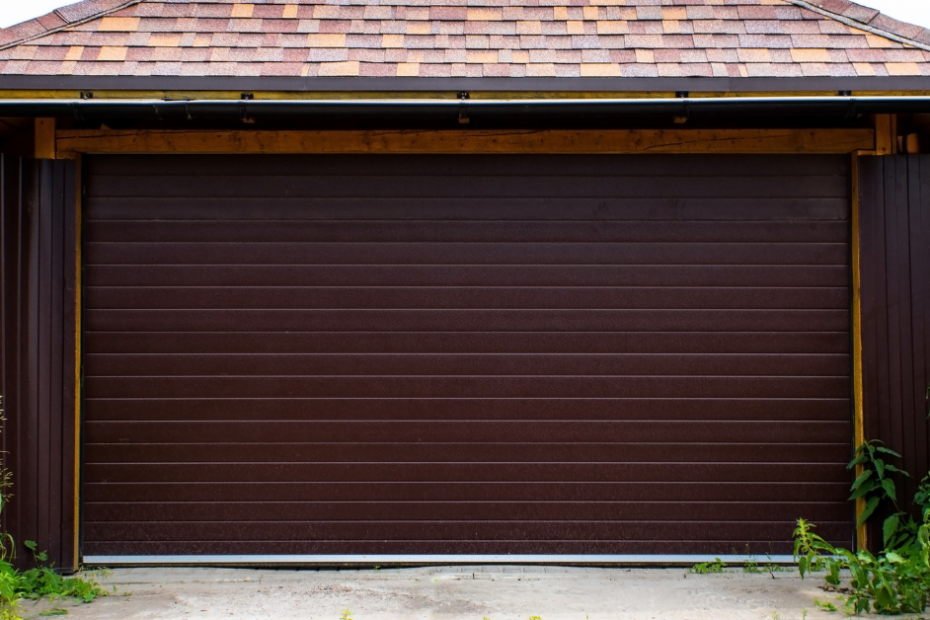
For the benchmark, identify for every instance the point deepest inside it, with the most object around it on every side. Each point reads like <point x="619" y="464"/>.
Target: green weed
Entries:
<point x="897" y="579"/>
<point x="706" y="568"/>
<point x="771" y="568"/>
<point x="824" y="605"/>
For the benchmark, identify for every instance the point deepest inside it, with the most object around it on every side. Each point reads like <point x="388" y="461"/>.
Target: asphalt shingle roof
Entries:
<point x="466" y="38"/>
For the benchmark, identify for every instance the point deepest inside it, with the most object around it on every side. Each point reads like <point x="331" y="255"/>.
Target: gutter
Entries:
<point x="249" y="109"/>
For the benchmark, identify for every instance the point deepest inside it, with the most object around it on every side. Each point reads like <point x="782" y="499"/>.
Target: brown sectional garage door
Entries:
<point x="464" y="354"/>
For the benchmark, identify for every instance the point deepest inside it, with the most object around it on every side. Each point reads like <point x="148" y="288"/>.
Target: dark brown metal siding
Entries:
<point x="484" y="354"/>
<point x="895" y="271"/>
<point x="37" y="340"/>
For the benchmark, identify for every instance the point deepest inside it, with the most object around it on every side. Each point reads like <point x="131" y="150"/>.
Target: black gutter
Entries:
<point x="889" y="84"/>
<point x="238" y="110"/>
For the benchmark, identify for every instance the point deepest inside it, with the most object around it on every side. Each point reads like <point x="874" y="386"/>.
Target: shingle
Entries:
<point x="902" y="68"/>
<point x="860" y="13"/>
<point x="639" y="70"/>
<point x="766" y="41"/>
<point x="323" y="55"/>
<point x="696" y="69"/>
<point x="892" y="25"/>
<point x="431" y="38"/>
<point x="377" y="69"/>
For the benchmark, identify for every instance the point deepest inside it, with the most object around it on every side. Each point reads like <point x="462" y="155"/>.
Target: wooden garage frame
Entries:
<point x="54" y="143"/>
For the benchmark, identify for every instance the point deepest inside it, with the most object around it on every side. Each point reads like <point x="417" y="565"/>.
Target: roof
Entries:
<point x="466" y="38"/>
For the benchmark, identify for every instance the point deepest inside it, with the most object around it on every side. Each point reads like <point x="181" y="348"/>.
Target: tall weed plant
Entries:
<point x="897" y="579"/>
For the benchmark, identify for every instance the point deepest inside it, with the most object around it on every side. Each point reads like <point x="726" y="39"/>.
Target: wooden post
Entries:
<point x="862" y="535"/>
<point x="45" y="138"/>
<point x="886" y="134"/>
<point x="78" y="304"/>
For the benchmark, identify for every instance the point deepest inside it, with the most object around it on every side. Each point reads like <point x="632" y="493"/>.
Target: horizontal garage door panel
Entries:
<point x="666" y="230"/>
<point x="319" y="355"/>
<point x="153" y="343"/>
<point x="815" y="451"/>
<point x="365" y="409"/>
<point x="128" y="364"/>
<point x="472" y="298"/>
<point x="386" y="386"/>
<point x="453" y="253"/>
<point x="467" y="511"/>
<point x="663" y="493"/>
<point x="574" y="276"/>
<point x="483" y="431"/>
<point x="467" y="320"/>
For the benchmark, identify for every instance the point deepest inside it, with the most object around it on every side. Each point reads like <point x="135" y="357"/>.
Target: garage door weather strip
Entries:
<point x="244" y="560"/>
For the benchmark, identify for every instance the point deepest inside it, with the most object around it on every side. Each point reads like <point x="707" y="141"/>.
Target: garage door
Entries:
<point x="464" y="354"/>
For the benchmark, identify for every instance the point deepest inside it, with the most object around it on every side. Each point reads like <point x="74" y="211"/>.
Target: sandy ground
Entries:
<point x="450" y="593"/>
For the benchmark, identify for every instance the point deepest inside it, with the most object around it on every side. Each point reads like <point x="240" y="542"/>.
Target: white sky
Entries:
<point x="16" y="11"/>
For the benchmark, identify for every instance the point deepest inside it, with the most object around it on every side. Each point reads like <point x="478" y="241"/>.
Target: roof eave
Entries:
<point x="718" y="85"/>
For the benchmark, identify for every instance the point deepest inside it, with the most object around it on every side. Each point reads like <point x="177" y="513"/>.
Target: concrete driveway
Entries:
<point x="453" y="593"/>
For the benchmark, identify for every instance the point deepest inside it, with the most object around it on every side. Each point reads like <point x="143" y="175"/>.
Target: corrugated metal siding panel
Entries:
<point x="37" y="200"/>
<point x="465" y="354"/>
<point x="895" y="267"/>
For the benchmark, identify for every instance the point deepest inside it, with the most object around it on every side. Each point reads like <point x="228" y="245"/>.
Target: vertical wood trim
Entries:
<point x="78" y="342"/>
<point x="45" y="138"/>
<point x="862" y="538"/>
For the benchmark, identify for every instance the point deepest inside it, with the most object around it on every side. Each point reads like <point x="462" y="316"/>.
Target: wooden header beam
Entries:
<point x="615" y="141"/>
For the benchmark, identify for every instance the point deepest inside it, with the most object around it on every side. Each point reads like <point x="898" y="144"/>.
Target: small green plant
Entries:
<point x="771" y="567"/>
<point x="706" y="568"/>
<point x="534" y="618"/>
<point x="897" y="579"/>
<point x="346" y="615"/>
<point x="751" y="565"/>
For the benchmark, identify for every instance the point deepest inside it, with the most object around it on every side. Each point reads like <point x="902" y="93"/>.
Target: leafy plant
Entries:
<point x="706" y="568"/>
<point x="875" y="486"/>
<point x="897" y="579"/>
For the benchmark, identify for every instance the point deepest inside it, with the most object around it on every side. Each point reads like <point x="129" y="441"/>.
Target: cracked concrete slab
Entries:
<point x="449" y="593"/>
